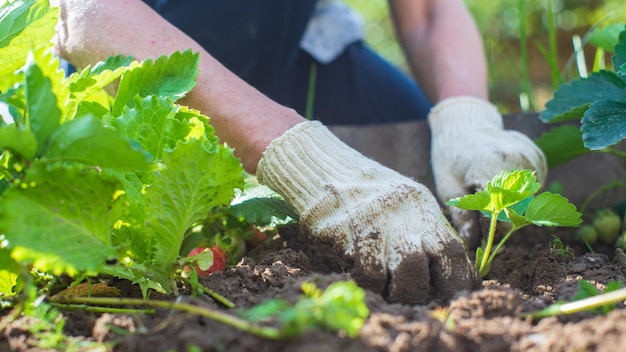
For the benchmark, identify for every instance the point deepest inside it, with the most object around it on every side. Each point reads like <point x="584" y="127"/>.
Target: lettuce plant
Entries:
<point x="510" y="197"/>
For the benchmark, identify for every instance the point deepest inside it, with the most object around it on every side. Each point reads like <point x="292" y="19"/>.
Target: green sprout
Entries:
<point x="510" y="197"/>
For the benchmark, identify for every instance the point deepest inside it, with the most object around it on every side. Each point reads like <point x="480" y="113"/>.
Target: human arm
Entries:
<point x="91" y="30"/>
<point x="395" y="244"/>
<point x="443" y="47"/>
<point x="469" y="143"/>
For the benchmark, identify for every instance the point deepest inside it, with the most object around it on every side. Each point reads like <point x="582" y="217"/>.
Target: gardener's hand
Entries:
<point x="469" y="148"/>
<point x="390" y="227"/>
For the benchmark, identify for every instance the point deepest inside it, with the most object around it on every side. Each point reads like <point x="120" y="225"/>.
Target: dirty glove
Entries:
<point x="470" y="147"/>
<point x="390" y="227"/>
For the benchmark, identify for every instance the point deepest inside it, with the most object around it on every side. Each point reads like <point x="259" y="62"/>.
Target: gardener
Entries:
<point x="256" y="60"/>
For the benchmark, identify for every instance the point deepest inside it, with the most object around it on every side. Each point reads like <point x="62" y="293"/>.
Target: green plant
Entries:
<point x="588" y="298"/>
<point x="598" y="102"/>
<point x="509" y="197"/>
<point x="339" y="308"/>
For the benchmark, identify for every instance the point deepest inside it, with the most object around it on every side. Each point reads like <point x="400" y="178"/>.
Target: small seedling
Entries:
<point x="588" y="298"/>
<point x="510" y="197"/>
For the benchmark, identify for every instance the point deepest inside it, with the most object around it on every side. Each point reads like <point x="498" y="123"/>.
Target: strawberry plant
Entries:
<point x="510" y="197"/>
<point x="598" y="102"/>
<point x="99" y="184"/>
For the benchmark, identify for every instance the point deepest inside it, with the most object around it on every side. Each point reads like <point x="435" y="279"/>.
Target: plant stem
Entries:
<point x="101" y="309"/>
<point x="216" y="296"/>
<point x="230" y="320"/>
<point x="501" y="243"/>
<point x="484" y="265"/>
<point x="581" y="305"/>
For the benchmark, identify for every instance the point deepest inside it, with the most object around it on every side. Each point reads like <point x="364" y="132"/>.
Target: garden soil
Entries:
<point x="530" y="274"/>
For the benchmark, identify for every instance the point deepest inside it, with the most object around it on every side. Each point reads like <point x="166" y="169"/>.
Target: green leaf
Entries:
<point x="60" y="219"/>
<point x="86" y="82"/>
<point x="172" y="77"/>
<point x="9" y="272"/>
<point x="562" y="144"/>
<point x="510" y="187"/>
<point x="550" y="209"/>
<point x="572" y="99"/>
<point x="43" y="114"/>
<point x="154" y="123"/>
<point x="604" y="124"/>
<point x="196" y="178"/>
<point x="474" y="201"/>
<point x="515" y="218"/>
<point x="87" y="141"/>
<point x="18" y="140"/>
<point x="343" y="306"/>
<point x="606" y="37"/>
<point x="24" y="25"/>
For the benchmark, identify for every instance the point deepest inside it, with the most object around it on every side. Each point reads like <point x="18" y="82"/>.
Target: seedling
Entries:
<point x="510" y="197"/>
<point x="588" y="298"/>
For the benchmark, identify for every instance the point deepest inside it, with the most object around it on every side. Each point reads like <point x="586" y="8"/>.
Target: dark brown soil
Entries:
<point x="528" y="275"/>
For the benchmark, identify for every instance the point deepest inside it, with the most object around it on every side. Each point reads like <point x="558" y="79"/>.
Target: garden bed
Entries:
<point x="529" y="275"/>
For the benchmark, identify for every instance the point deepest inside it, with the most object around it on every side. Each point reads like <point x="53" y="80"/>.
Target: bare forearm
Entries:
<point x="91" y="30"/>
<point x="444" y="47"/>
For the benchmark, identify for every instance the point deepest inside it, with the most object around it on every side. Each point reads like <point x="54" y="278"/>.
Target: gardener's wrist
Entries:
<point x="308" y="160"/>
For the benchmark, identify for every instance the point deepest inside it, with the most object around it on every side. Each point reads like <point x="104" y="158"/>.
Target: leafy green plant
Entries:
<point x="339" y="308"/>
<point x="510" y="197"/>
<point x="92" y="183"/>
<point x="598" y="102"/>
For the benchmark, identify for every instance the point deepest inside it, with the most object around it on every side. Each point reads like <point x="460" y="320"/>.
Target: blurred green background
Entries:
<point x="518" y="81"/>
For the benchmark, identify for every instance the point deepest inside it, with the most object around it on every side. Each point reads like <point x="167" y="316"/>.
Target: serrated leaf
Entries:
<point x="9" y="272"/>
<point x="572" y="99"/>
<point x="87" y="141"/>
<point x="604" y="124"/>
<point x="61" y="219"/>
<point x="196" y="178"/>
<point x="474" y="201"/>
<point x="561" y="144"/>
<point x="18" y="140"/>
<point x="153" y="123"/>
<point x="171" y="77"/>
<point x="86" y="82"/>
<point x="24" y="25"/>
<point x="550" y="209"/>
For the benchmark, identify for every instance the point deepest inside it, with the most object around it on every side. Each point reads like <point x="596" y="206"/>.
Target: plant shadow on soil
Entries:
<point x="528" y="275"/>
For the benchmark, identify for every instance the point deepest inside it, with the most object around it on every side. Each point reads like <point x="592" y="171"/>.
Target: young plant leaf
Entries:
<point x="168" y="77"/>
<point x="572" y="99"/>
<point x="87" y="141"/>
<point x="604" y="123"/>
<point x="60" y="219"/>
<point x="550" y="209"/>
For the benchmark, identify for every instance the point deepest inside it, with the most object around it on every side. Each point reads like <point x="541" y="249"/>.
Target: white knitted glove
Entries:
<point x="390" y="227"/>
<point x="470" y="147"/>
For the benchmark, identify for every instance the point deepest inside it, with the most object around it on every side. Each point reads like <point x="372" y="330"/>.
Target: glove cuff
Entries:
<point x="463" y="113"/>
<point x="308" y="161"/>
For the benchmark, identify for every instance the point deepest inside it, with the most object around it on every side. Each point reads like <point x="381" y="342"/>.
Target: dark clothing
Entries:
<point x="260" y="42"/>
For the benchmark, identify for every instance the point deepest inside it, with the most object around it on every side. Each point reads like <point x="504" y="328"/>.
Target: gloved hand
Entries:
<point x="470" y="147"/>
<point x="390" y="227"/>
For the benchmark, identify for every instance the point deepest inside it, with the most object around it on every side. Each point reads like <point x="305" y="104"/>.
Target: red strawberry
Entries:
<point x="219" y="260"/>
